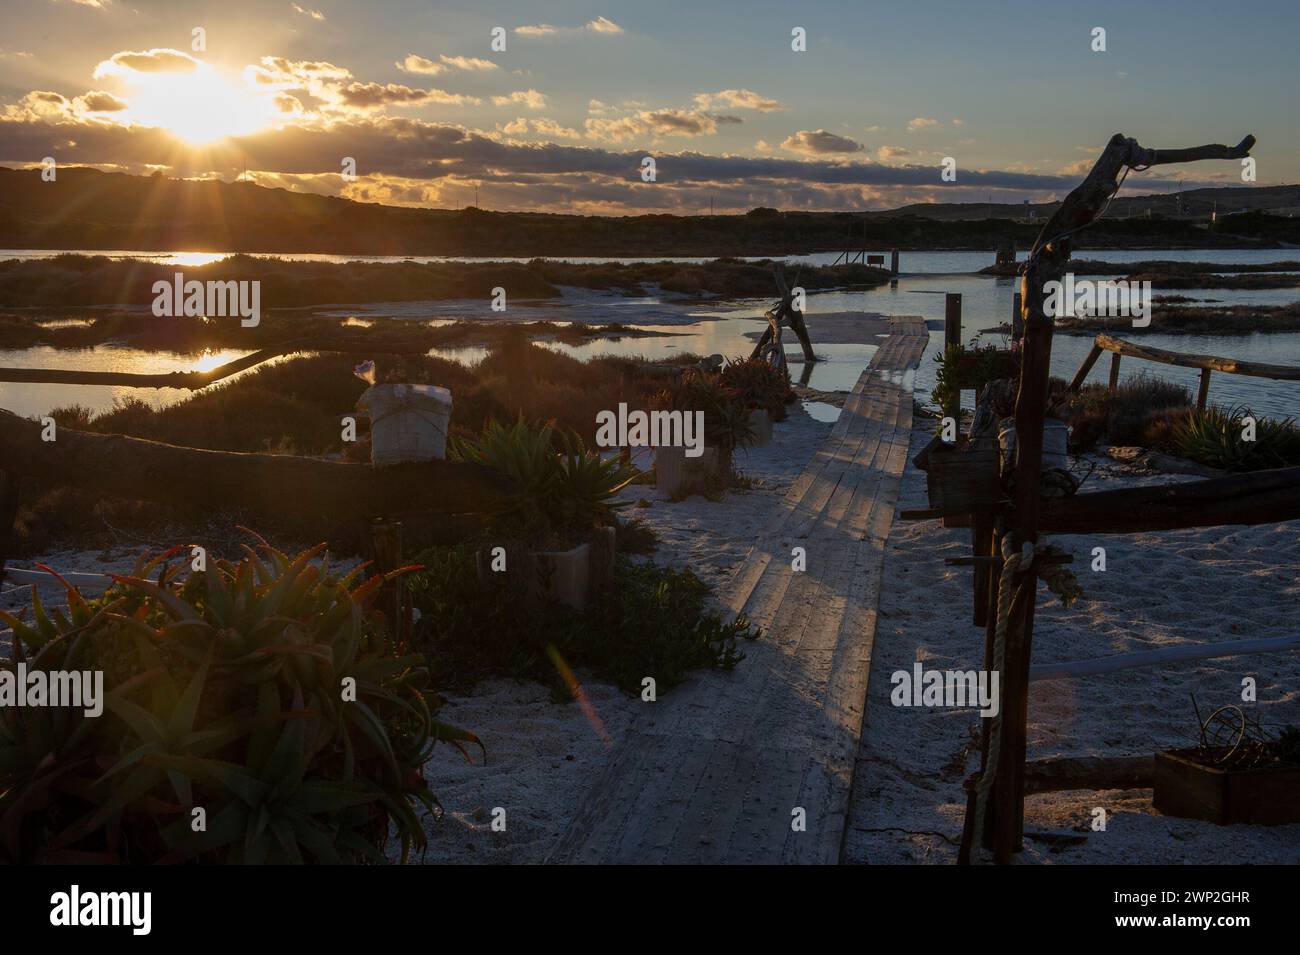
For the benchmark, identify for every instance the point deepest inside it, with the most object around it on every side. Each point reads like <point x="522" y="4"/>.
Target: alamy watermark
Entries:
<point x="75" y="907"/>
<point x="1077" y="298"/>
<point x="82" y="689"/>
<point x="651" y="429"/>
<point x="922" y="687"/>
<point x="195" y="299"/>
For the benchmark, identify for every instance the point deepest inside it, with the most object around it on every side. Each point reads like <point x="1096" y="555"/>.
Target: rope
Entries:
<point x="1007" y="597"/>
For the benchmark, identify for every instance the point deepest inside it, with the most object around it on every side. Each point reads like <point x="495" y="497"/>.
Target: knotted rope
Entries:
<point x="1009" y="592"/>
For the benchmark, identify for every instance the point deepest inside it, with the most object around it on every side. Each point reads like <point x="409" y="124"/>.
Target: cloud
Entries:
<point x="284" y="73"/>
<point x="599" y="25"/>
<point x="921" y="122"/>
<point x="377" y="95"/>
<point x="819" y="143"/>
<point x="529" y="98"/>
<point x="307" y="12"/>
<point x="97" y="101"/>
<point x="468" y="63"/>
<point x="890" y="153"/>
<point x="540" y="127"/>
<point x="159" y="60"/>
<point x="94" y="4"/>
<point x="418" y="64"/>
<point x="422" y="162"/>
<point x="38" y="106"/>
<point x="656" y="122"/>
<point x="737" y="99"/>
<point x="603" y="25"/>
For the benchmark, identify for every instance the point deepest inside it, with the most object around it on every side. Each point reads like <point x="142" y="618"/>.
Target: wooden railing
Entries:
<point x="1206" y="363"/>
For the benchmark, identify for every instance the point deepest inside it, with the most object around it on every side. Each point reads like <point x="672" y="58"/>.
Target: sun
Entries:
<point x="199" y="107"/>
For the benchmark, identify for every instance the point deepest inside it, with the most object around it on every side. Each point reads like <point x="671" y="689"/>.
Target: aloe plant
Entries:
<point x="1216" y="437"/>
<point x="758" y="385"/>
<point x="564" y="488"/>
<point x="263" y="692"/>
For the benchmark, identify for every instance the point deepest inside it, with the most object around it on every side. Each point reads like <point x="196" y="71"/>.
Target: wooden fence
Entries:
<point x="1206" y="363"/>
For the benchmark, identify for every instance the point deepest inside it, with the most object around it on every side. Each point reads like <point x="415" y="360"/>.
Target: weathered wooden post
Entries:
<point x="785" y="313"/>
<point x="893" y="262"/>
<point x="386" y="536"/>
<point x="1013" y="640"/>
<point x="951" y="319"/>
<point x="8" y="515"/>
<point x="1203" y="393"/>
<point x="1114" y="373"/>
<point x="951" y="340"/>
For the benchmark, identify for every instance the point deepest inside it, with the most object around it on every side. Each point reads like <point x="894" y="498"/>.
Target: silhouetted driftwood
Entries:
<point x="269" y="483"/>
<point x="194" y="380"/>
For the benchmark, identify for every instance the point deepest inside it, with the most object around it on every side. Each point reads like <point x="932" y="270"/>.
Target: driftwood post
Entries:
<point x="386" y="537"/>
<point x="1046" y="263"/>
<point x="8" y="514"/>
<point x="785" y="314"/>
<point x="793" y="316"/>
<point x="952" y="340"/>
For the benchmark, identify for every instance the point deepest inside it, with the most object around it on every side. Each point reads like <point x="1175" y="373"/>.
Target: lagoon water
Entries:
<point x="728" y="328"/>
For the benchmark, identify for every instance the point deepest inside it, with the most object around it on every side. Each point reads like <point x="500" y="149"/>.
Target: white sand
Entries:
<point x="1159" y="590"/>
<point x="712" y="538"/>
<point x="543" y="757"/>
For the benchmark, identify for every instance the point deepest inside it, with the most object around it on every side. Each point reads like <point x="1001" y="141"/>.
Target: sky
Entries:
<point x="562" y="118"/>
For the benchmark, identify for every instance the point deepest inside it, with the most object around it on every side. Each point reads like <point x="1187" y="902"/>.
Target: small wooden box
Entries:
<point x="1266" y="797"/>
<point x="961" y="482"/>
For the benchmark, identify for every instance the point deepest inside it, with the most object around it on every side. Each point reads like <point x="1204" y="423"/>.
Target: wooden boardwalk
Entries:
<point x="714" y="771"/>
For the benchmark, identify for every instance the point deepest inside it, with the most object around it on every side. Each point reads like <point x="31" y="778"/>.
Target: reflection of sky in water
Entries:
<point x="36" y="399"/>
<point x="721" y="328"/>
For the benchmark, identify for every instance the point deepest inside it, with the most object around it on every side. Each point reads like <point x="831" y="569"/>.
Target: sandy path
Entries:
<point x="543" y="756"/>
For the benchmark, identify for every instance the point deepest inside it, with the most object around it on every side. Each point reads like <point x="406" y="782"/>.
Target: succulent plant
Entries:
<point x="255" y="711"/>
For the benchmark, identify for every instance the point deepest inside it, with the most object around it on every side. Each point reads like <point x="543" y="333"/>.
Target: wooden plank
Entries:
<point x="1161" y="656"/>
<point x="1260" y="497"/>
<point x="1086" y="367"/>
<point x="1122" y="346"/>
<point x="706" y="786"/>
<point x="1114" y="373"/>
<point x="1089" y="772"/>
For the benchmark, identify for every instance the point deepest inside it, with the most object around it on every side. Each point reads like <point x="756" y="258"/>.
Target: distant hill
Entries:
<point x="1191" y="203"/>
<point x="89" y="209"/>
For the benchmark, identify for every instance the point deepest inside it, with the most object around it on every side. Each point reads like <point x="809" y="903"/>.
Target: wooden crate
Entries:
<point x="961" y="482"/>
<point x="1186" y="788"/>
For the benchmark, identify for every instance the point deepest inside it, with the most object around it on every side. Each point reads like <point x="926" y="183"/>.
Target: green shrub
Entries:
<point x="1215" y="437"/>
<point x="653" y="621"/>
<point x="228" y="692"/>
<point x="726" y="418"/>
<point x="562" y="494"/>
<point x="1139" y="408"/>
<point x="759" y="385"/>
